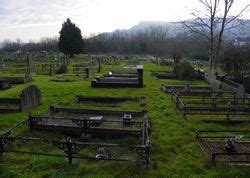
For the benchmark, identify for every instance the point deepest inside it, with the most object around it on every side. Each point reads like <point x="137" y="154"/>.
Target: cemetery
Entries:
<point x="30" y="97"/>
<point x="125" y="89"/>
<point x="225" y="145"/>
<point x="85" y="126"/>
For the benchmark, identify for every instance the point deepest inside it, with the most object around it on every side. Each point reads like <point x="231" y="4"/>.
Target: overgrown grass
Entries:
<point x="174" y="150"/>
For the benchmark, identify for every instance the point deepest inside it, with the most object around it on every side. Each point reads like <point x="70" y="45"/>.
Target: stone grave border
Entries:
<point x="120" y="82"/>
<point x="218" y="106"/>
<point x="193" y="90"/>
<point x="71" y="148"/>
<point x="79" y="98"/>
<point x="209" y="140"/>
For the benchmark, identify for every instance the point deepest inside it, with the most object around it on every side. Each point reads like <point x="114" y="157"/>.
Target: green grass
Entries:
<point x="174" y="150"/>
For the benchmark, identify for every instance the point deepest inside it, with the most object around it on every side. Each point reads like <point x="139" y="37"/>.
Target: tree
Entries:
<point x="217" y="20"/>
<point x="185" y="71"/>
<point x="70" y="40"/>
<point x="235" y="60"/>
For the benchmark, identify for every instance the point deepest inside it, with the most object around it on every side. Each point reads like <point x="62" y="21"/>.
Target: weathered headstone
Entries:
<point x="246" y="82"/>
<point x="30" y="62"/>
<point x="51" y="70"/>
<point x="30" y="98"/>
<point x="87" y="70"/>
<point x="187" y="88"/>
<point x="99" y="65"/>
<point x="240" y="92"/>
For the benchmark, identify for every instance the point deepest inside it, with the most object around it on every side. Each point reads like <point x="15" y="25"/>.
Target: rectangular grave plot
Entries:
<point x="53" y="144"/>
<point x="233" y="109"/>
<point x="124" y="81"/>
<point x="193" y="90"/>
<point x="90" y="121"/>
<point x="109" y="101"/>
<point x="225" y="146"/>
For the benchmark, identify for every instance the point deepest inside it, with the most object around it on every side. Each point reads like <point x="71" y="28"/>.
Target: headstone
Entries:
<point x="246" y="82"/>
<point x="187" y="88"/>
<point x="240" y="92"/>
<point x="87" y="70"/>
<point x="51" y="70"/>
<point x="30" y="98"/>
<point x="99" y="64"/>
<point x="30" y="62"/>
<point x="140" y="74"/>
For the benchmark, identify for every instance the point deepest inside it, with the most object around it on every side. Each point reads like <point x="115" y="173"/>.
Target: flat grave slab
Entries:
<point x="125" y="79"/>
<point x="133" y="102"/>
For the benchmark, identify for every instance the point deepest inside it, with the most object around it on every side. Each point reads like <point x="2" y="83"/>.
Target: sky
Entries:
<point x="34" y="19"/>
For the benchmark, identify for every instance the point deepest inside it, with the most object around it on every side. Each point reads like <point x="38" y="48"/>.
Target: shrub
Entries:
<point x="185" y="71"/>
<point x="166" y="63"/>
<point x="62" y="70"/>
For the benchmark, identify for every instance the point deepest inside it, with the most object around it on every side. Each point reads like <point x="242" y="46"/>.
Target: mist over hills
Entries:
<point x="175" y="28"/>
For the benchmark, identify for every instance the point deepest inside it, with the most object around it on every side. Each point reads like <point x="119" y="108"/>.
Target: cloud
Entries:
<point x="24" y="12"/>
<point x="32" y="19"/>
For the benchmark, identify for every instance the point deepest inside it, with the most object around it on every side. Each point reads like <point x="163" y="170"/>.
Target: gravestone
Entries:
<point x="140" y="74"/>
<point x="51" y="70"/>
<point x="246" y="82"/>
<point x="99" y="65"/>
<point x="187" y="88"/>
<point x="240" y="92"/>
<point x="87" y="70"/>
<point x="30" y="62"/>
<point x="29" y="66"/>
<point x="30" y="98"/>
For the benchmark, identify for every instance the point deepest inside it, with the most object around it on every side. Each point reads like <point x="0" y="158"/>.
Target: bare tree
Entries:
<point x="212" y="23"/>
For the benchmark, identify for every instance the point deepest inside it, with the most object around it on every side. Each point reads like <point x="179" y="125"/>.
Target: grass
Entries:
<point x="174" y="150"/>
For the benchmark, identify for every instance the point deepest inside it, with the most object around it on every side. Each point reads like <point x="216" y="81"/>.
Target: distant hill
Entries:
<point x="174" y="28"/>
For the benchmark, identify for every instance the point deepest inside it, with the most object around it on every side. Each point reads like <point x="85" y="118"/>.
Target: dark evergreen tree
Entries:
<point x="70" y="40"/>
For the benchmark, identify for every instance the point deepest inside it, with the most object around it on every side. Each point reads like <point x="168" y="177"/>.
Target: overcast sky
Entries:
<point x="33" y="19"/>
